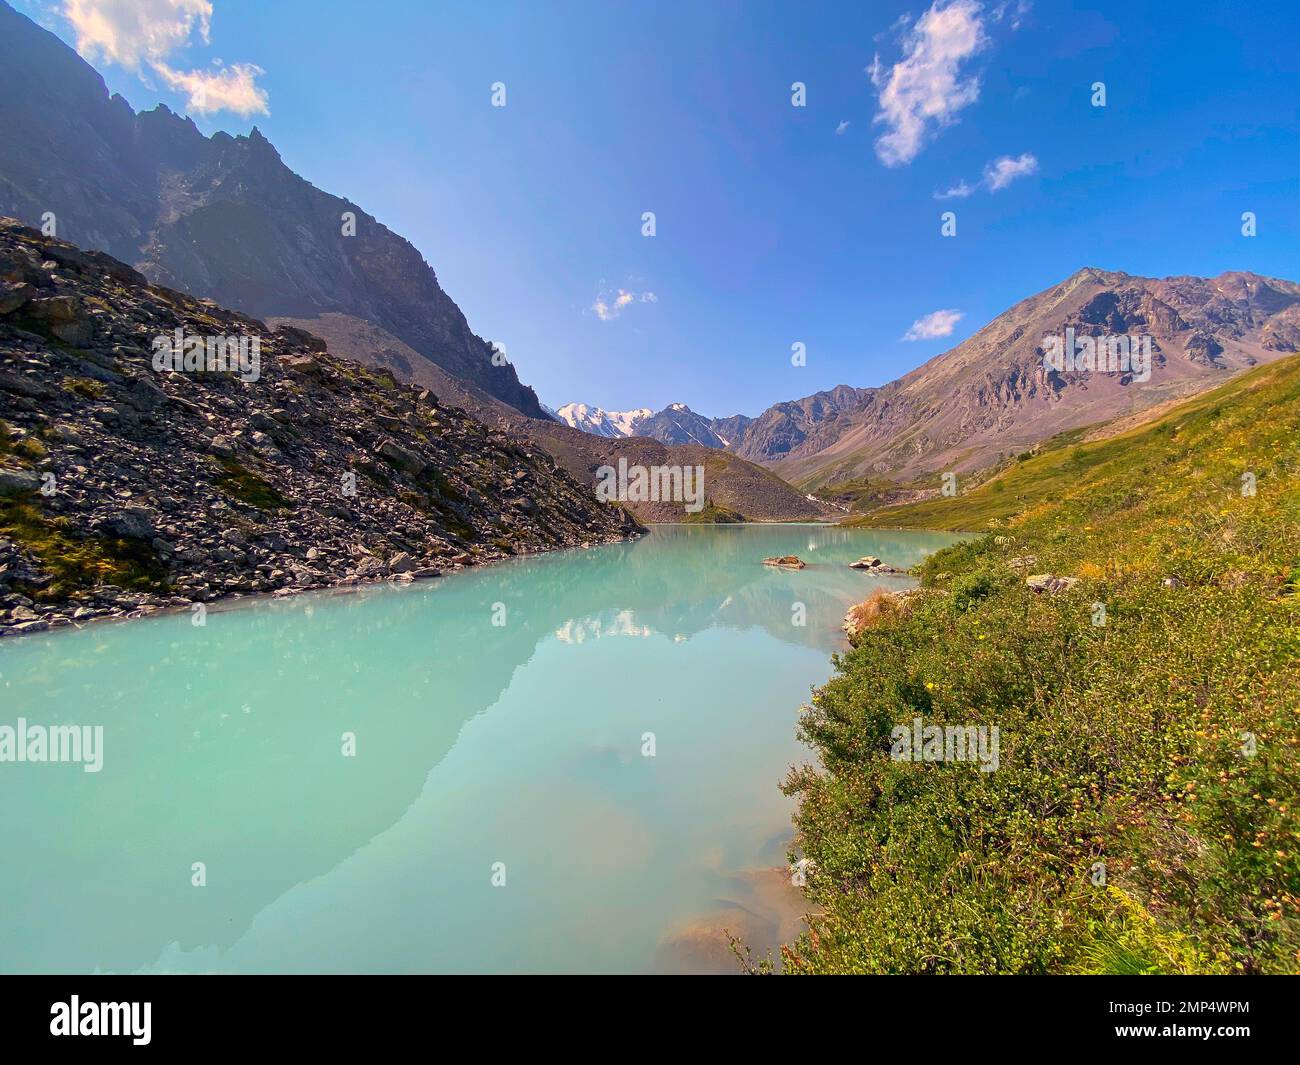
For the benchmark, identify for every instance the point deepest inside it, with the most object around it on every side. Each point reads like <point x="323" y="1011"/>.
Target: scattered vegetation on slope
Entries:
<point x="1143" y="815"/>
<point x="73" y="558"/>
<point x="712" y="514"/>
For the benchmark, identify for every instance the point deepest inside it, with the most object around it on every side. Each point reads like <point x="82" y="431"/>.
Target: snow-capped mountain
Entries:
<point x="601" y="422"/>
<point x="678" y="424"/>
<point x="675" y="424"/>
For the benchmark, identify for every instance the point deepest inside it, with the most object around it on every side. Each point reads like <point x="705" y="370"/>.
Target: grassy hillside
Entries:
<point x="1143" y="815"/>
<point x="1060" y="466"/>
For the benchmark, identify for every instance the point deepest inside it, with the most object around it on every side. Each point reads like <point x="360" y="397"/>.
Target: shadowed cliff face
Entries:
<point x="219" y="217"/>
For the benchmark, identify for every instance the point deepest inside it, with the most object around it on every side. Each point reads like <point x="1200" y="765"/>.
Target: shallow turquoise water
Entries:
<point x="476" y="744"/>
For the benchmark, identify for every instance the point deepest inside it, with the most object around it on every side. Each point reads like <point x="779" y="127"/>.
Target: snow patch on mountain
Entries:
<point x="600" y="422"/>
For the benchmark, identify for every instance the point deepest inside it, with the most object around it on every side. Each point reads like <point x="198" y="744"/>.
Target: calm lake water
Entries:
<point x="476" y="744"/>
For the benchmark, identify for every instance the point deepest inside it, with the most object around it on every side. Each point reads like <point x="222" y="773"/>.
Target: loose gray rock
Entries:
<point x="1047" y="582"/>
<point x="133" y="523"/>
<point x="15" y="481"/>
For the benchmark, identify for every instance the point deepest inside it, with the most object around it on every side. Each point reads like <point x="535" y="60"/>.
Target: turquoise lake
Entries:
<point x="477" y="746"/>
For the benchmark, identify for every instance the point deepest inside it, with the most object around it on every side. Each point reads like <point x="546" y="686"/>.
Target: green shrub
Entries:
<point x="76" y="561"/>
<point x="1144" y="813"/>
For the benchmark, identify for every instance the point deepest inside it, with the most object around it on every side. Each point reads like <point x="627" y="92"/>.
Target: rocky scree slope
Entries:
<point x="125" y="490"/>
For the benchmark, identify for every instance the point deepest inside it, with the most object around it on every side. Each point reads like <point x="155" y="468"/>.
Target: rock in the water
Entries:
<point x="785" y="562"/>
<point x="872" y="564"/>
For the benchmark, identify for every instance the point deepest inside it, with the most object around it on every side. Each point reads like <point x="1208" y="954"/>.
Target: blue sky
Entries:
<point x="775" y="224"/>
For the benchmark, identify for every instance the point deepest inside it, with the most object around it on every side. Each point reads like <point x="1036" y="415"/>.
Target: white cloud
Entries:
<point x="935" y="324"/>
<point x="844" y="124"/>
<point x="923" y="91"/>
<point x="998" y="174"/>
<point x="608" y="307"/>
<point x="232" y="88"/>
<point x="1003" y="171"/>
<point x="127" y="32"/>
<point x="140" y="35"/>
<point x="958" y="191"/>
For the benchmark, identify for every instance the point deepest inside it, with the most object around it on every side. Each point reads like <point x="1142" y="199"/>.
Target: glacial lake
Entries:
<point x="482" y="751"/>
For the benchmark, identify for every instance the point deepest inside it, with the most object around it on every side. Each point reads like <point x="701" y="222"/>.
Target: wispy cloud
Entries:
<point x="844" y="124"/>
<point x="134" y="32"/>
<point x="1003" y="171"/>
<point x="140" y="35"/>
<point x="997" y="175"/>
<point x="958" y="191"/>
<point x="935" y="324"/>
<point x="924" y="90"/>
<point x="609" y="306"/>
<point x="1013" y="12"/>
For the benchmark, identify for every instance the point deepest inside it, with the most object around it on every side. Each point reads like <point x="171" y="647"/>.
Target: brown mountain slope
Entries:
<point x="730" y="482"/>
<point x="992" y="394"/>
<point x="795" y="426"/>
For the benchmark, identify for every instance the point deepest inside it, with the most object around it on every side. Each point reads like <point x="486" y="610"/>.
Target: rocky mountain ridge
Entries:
<point x="221" y="217"/>
<point x="678" y="424"/>
<point x="996" y="393"/>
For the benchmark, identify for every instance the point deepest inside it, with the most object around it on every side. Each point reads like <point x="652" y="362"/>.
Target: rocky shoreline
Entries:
<point x="112" y="606"/>
<point x="126" y="490"/>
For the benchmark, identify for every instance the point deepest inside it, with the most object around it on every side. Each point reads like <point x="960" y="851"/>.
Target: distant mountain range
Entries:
<point x="600" y="422"/>
<point x="675" y="424"/>
<point x="223" y="218"/>
<point x="996" y="394"/>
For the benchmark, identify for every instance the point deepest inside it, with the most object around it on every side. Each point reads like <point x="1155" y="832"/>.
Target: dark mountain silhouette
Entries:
<point x="220" y="217"/>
